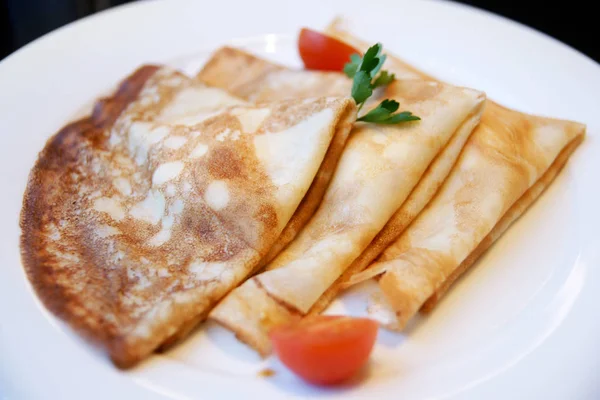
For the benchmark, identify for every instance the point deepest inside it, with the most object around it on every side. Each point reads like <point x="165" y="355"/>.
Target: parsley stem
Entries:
<point x="360" y="106"/>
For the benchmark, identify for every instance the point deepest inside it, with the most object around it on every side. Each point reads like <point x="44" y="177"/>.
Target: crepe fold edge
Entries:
<point x="424" y="191"/>
<point x="311" y="200"/>
<point x="338" y="29"/>
<point x="237" y="313"/>
<point x="94" y="328"/>
<point x="252" y="308"/>
<point x="124" y="344"/>
<point x="391" y="284"/>
<point x="185" y="313"/>
<point x="222" y="71"/>
<point x="512" y="215"/>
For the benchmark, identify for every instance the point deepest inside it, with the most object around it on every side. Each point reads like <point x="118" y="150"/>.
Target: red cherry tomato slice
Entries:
<point x="325" y="350"/>
<point x="322" y="52"/>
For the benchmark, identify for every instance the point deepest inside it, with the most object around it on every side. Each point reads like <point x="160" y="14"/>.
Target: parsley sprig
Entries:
<point x="366" y="78"/>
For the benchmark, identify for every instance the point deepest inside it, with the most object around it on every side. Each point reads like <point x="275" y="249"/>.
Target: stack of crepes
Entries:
<point x="138" y="218"/>
<point x="251" y="196"/>
<point x="412" y="206"/>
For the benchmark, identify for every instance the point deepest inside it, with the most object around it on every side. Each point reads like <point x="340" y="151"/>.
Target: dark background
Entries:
<point x="572" y="22"/>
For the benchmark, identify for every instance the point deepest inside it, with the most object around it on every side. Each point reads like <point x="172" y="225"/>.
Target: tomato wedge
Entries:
<point x="321" y="52"/>
<point x="325" y="350"/>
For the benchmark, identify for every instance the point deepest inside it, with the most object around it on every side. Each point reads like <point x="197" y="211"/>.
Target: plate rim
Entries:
<point x="104" y="15"/>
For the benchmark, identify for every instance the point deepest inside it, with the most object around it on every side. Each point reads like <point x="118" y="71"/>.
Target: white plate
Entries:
<point x="523" y="324"/>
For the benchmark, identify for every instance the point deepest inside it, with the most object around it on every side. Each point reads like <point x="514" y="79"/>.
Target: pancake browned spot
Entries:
<point x="127" y="234"/>
<point x="223" y="163"/>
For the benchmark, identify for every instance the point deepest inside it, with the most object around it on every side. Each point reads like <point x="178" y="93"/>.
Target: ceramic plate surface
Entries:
<point x="522" y="324"/>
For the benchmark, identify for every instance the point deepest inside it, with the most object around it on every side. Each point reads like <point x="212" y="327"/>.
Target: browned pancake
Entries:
<point x="262" y="80"/>
<point x="138" y="218"/>
<point x="386" y="175"/>
<point x="509" y="161"/>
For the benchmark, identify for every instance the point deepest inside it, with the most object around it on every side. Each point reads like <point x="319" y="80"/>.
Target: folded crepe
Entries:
<point x="140" y="217"/>
<point x="265" y="81"/>
<point x="262" y="81"/>
<point x="385" y="176"/>
<point x="507" y="163"/>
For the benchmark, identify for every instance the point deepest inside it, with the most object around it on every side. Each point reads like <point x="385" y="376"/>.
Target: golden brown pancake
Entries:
<point x="508" y="162"/>
<point x="262" y="80"/>
<point x="385" y="177"/>
<point x="140" y="217"/>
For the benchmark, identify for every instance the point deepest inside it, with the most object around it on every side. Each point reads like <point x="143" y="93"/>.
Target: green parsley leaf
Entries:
<point x="390" y="105"/>
<point x="405" y="116"/>
<point x="375" y="70"/>
<point x="384" y="79"/>
<point x="361" y="87"/>
<point x="371" y="58"/>
<point x="364" y="73"/>
<point x="371" y="62"/>
<point x="351" y="67"/>
<point x="384" y="114"/>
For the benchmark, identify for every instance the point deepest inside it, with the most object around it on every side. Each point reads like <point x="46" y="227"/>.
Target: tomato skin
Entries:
<point x="324" y="53"/>
<point x="325" y="350"/>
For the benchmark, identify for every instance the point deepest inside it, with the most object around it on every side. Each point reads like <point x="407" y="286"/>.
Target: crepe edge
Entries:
<point x="250" y="313"/>
<point x="56" y="298"/>
<point x="222" y="70"/>
<point x="397" y="299"/>
<point x="513" y="214"/>
<point x="342" y="125"/>
<point x="339" y="30"/>
<point x="312" y="199"/>
<point x="402" y="218"/>
<point x="215" y="73"/>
